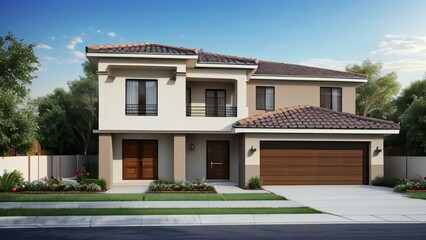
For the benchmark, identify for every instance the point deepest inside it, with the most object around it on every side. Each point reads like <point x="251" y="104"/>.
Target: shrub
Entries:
<point x="9" y="181"/>
<point x="404" y="185"/>
<point x="92" y="169"/>
<point x="57" y="184"/>
<point x="100" y="182"/>
<point x="81" y="175"/>
<point x="165" y="185"/>
<point x="384" y="181"/>
<point x="255" y="183"/>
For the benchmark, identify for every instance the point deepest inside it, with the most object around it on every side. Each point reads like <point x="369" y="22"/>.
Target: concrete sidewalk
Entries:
<point x="184" y="220"/>
<point x="154" y="204"/>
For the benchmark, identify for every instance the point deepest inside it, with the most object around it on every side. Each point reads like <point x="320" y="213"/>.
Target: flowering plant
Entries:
<point x="81" y="174"/>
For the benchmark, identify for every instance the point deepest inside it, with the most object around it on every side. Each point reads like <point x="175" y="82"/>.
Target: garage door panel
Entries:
<point x="312" y="166"/>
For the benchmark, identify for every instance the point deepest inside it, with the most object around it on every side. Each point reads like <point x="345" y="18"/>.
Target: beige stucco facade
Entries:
<point x="292" y="93"/>
<point x="175" y="132"/>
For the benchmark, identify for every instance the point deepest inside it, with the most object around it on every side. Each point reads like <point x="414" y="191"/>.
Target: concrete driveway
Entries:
<point x="358" y="203"/>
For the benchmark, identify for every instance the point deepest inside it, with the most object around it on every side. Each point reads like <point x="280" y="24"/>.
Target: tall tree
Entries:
<point x="54" y="117"/>
<point x="17" y="121"/>
<point x="374" y="97"/>
<point x="67" y="119"/>
<point x="410" y="112"/>
<point x="84" y="95"/>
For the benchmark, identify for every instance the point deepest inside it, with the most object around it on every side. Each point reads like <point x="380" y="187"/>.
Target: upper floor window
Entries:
<point x="141" y="97"/>
<point x="215" y="103"/>
<point x="331" y="98"/>
<point x="265" y="98"/>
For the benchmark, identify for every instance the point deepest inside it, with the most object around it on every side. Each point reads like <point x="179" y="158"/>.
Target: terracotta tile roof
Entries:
<point x="208" y="57"/>
<point x="149" y="48"/>
<point x="309" y="117"/>
<point x="284" y="69"/>
<point x="264" y="68"/>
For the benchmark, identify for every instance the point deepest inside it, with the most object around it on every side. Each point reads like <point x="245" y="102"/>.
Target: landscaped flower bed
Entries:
<point x="159" y="186"/>
<point x="406" y="185"/>
<point x="57" y="185"/>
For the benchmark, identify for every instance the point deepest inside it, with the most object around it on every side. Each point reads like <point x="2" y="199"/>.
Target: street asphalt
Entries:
<point x="318" y="231"/>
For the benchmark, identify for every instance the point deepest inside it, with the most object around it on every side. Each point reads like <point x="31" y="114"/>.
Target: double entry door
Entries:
<point x="140" y="159"/>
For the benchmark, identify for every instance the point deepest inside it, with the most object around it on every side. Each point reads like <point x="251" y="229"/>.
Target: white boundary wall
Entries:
<point x="405" y="167"/>
<point x="36" y="167"/>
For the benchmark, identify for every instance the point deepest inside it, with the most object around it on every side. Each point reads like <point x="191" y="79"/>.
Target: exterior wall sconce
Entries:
<point x="253" y="149"/>
<point x="377" y="151"/>
<point x="192" y="147"/>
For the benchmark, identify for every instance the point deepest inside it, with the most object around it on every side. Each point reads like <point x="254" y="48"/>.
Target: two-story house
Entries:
<point x="169" y="112"/>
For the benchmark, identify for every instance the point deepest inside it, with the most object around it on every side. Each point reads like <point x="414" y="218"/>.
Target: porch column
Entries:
<point x="179" y="157"/>
<point x="105" y="158"/>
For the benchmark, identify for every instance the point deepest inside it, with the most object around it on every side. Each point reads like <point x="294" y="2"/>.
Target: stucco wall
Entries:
<point x="171" y="95"/>
<point x="252" y="159"/>
<point x="165" y="155"/>
<point x="292" y="93"/>
<point x="196" y="162"/>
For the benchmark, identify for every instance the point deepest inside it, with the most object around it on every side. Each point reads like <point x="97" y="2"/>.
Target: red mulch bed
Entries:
<point x="416" y="190"/>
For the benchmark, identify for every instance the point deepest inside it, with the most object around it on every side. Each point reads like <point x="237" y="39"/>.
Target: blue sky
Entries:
<point x="326" y="33"/>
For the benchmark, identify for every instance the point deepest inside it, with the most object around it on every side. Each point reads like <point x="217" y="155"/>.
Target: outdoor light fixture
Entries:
<point x="378" y="150"/>
<point x="192" y="147"/>
<point x="253" y="149"/>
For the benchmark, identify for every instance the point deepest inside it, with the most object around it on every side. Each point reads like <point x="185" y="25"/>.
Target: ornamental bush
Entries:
<point x="162" y="185"/>
<point x="404" y="185"/>
<point x="10" y="181"/>
<point x="384" y="181"/>
<point x="255" y="183"/>
<point x="58" y="184"/>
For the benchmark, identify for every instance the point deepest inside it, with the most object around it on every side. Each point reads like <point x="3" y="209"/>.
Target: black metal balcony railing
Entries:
<point x="211" y="111"/>
<point x="142" y="109"/>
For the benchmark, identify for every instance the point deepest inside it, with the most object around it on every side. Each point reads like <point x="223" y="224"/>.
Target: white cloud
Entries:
<point x="72" y="60"/>
<point x="51" y="38"/>
<point x="78" y="54"/>
<point x="52" y="60"/>
<point x="74" y="42"/>
<point x="406" y="65"/>
<point x="111" y="34"/>
<point x="402" y="45"/>
<point x="43" y="46"/>
<point x="327" y="63"/>
<point x="98" y="31"/>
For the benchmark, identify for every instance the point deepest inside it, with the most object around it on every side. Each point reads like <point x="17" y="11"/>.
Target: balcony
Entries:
<point x="211" y="111"/>
<point x="141" y="109"/>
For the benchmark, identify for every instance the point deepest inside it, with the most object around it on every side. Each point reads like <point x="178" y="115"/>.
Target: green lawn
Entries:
<point x="127" y="211"/>
<point x="23" y="197"/>
<point x="421" y="195"/>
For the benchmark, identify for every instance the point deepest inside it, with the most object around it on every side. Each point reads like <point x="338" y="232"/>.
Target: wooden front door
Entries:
<point x="217" y="159"/>
<point x="140" y="159"/>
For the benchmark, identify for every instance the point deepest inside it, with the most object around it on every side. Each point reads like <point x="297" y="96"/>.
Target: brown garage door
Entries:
<point x="313" y="163"/>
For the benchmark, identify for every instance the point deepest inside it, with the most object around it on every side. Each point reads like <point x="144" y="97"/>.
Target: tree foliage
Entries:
<point x="374" y="97"/>
<point x="17" y="120"/>
<point x="411" y="113"/>
<point x="67" y="118"/>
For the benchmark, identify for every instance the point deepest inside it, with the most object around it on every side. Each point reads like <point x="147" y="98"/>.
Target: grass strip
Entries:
<point x="420" y="195"/>
<point x="23" y="197"/>
<point x="127" y="211"/>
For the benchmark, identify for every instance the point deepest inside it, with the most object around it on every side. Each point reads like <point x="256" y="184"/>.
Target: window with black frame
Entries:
<point x="141" y="97"/>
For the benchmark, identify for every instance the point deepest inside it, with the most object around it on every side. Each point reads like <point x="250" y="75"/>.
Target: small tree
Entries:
<point x="374" y="97"/>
